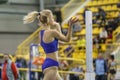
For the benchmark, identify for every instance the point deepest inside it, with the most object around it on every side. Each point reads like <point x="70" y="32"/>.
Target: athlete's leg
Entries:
<point x="50" y="73"/>
<point x="58" y="76"/>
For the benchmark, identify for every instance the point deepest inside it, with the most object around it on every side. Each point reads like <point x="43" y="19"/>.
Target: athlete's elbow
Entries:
<point x="67" y="40"/>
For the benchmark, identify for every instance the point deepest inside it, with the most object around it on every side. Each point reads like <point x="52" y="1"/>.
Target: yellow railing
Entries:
<point x="64" y="7"/>
<point x="75" y="56"/>
<point x="30" y="38"/>
<point x="116" y="33"/>
<point x="60" y="71"/>
<point x="23" y="48"/>
<point x="70" y="7"/>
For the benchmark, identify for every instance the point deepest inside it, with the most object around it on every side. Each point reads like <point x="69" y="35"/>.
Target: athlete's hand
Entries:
<point x="72" y="21"/>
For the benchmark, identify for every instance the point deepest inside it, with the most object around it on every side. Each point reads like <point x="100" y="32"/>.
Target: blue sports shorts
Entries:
<point x="49" y="63"/>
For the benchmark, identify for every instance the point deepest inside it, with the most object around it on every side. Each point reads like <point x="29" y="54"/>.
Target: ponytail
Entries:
<point x="30" y="17"/>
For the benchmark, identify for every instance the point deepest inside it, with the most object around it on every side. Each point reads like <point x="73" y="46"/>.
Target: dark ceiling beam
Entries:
<point x="14" y="33"/>
<point x="10" y="12"/>
<point x="23" y="4"/>
<point x="3" y="1"/>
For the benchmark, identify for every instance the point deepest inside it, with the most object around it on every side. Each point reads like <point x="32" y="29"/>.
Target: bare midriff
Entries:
<point x="53" y="55"/>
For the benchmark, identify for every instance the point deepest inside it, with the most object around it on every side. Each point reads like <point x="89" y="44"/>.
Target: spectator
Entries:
<point x="112" y="65"/>
<point x="112" y="24"/>
<point x="110" y="36"/>
<point x="96" y="43"/>
<point x="9" y="69"/>
<point x="1" y="61"/>
<point x="76" y="76"/>
<point x="77" y="27"/>
<point x="64" y="66"/>
<point x="69" y="50"/>
<point x="0" y="71"/>
<point x="118" y="5"/>
<point x="33" y="66"/>
<point x="23" y="65"/>
<point x="96" y="40"/>
<point x="40" y="75"/>
<point x="103" y="35"/>
<point x="64" y="31"/>
<point x="100" y="66"/>
<point x="58" y="15"/>
<point x="19" y="65"/>
<point x="102" y="15"/>
<point x="84" y="14"/>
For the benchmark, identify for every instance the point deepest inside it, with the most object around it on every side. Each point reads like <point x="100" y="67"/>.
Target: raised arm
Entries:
<point x="60" y="36"/>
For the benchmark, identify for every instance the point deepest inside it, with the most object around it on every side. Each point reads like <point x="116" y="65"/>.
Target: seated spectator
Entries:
<point x="99" y="23"/>
<point x="64" y="66"/>
<point x="112" y="24"/>
<point x="76" y="68"/>
<point x="77" y="27"/>
<point x="103" y="35"/>
<point x="110" y="36"/>
<point x="64" y="31"/>
<point x="96" y="42"/>
<point x="69" y="50"/>
<point x="118" y="5"/>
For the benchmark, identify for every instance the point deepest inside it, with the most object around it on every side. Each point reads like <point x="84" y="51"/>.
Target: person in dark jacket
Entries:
<point x="102" y="16"/>
<point x="58" y="15"/>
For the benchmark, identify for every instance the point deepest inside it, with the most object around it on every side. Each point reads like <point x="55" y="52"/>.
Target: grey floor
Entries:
<point x="118" y="75"/>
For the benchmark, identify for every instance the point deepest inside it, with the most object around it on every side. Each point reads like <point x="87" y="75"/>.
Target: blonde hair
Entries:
<point x="30" y="17"/>
<point x="42" y="16"/>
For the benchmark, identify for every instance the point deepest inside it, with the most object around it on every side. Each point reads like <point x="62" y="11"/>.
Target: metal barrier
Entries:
<point x="116" y="33"/>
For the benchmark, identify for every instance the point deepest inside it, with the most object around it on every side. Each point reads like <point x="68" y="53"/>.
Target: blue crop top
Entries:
<point x="49" y="47"/>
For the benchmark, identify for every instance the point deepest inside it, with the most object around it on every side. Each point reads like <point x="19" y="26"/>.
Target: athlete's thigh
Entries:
<point x="58" y="76"/>
<point x="50" y="74"/>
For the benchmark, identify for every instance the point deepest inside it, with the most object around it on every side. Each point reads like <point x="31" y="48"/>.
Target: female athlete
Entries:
<point x="49" y="36"/>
